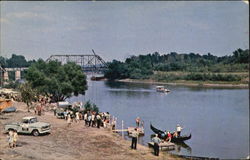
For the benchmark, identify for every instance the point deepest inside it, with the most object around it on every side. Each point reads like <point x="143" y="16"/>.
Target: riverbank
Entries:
<point x="71" y="143"/>
<point x="204" y="84"/>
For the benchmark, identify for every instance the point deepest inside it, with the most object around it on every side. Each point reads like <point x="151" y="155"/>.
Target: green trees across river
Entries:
<point x="174" y="66"/>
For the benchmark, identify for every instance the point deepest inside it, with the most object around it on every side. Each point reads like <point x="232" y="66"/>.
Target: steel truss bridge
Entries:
<point x="89" y="62"/>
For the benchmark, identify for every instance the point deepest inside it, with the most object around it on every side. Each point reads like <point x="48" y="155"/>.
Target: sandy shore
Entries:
<point x="193" y="84"/>
<point x="74" y="143"/>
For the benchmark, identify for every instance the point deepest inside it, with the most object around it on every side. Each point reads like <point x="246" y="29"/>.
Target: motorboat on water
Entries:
<point x="162" y="89"/>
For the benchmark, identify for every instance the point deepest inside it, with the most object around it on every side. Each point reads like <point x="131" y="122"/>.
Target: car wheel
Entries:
<point x="35" y="133"/>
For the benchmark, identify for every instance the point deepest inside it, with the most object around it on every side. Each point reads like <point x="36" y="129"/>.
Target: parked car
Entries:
<point x="60" y="113"/>
<point x="29" y="125"/>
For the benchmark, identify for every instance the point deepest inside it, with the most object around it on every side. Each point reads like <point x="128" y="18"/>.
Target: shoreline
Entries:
<point x="75" y="142"/>
<point x="188" y="84"/>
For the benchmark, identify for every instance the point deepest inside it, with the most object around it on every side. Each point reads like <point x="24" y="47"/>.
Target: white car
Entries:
<point x="29" y="125"/>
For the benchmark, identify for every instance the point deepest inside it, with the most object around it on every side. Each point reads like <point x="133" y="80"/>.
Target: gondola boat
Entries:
<point x="174" y="139"/>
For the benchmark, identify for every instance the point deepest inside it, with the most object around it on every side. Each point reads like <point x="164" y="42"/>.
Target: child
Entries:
<point x="15" y="137"/>
<point x="10" y="138"/>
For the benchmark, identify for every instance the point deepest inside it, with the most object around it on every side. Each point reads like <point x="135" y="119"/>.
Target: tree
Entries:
<point x="116" y="70"/>
<point x="27" y="94"/>
<point x="55" y="80"/>
<point x="2" y="61"/>
<point x="17" y="61"/>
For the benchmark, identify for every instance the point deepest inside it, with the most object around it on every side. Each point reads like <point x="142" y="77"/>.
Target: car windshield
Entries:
<point x="25" y="121"/>
<point x="33" y="120"/>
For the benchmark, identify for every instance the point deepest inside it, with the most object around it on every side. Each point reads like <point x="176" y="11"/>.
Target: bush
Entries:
<point x="90" y="107"/>
<point x="212" y="77"/>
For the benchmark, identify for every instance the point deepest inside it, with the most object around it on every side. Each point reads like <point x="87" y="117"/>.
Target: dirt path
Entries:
<point x="74" y="143"/>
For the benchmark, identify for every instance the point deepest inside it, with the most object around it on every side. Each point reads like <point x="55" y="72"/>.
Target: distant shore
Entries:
<point x="190" y="84"/>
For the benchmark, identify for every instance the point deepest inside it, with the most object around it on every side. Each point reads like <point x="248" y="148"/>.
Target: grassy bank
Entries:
<point x="181" y="78"/>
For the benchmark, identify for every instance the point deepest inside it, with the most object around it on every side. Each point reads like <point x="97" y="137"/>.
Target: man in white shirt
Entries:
<point x="178" y="129"/>
<point x="134" y="136"/>
<point x="156" y="141"/>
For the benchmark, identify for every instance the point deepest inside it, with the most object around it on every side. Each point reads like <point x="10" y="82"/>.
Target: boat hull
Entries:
<point x="162" y="135"/>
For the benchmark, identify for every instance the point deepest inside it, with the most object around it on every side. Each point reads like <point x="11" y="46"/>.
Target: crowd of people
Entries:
<point x="90" y="118"/>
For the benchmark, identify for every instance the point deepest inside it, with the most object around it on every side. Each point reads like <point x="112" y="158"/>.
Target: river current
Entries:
<point x="218" y="119"/>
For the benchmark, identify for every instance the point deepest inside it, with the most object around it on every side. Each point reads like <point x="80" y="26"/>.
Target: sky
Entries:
<point x="117" y="30"/>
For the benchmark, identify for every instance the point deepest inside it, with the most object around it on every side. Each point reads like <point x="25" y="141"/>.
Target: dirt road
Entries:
<point x="73" y="143"/>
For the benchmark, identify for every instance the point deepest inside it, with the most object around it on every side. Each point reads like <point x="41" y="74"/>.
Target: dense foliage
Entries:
<point x="27" y="94"/>
<point x="15" y="61"/>
<point x="144" y="66"/>
<point x="197" y="76"/>
<point x="55" y="80"/>
<point x="90" y="107"/>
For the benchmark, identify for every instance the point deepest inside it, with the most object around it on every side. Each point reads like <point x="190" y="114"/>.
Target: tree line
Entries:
<point x="15" y="61"/>
<point x="144" y="66"/>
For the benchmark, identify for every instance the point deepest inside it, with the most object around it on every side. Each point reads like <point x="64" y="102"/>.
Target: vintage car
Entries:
<point x="29" y="125"/>
<point x="60" y="113"/>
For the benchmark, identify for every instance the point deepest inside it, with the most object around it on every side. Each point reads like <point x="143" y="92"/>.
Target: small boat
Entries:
<point x="174" y="139"/>
<point x="162" y="89"/>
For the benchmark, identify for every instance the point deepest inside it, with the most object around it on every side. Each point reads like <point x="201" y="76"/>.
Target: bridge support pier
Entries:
<point x="5" y="76"/>
<point x="17" y="75"/>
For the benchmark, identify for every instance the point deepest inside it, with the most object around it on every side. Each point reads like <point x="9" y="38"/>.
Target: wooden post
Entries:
<point x="122" y="132"/>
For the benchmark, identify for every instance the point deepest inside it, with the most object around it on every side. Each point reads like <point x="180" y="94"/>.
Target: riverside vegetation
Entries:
<point x="183" y="67"/>
<point x="172" y="67"/>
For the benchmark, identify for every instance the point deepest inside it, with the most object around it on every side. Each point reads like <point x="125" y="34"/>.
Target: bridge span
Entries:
<point x="88" y="62"/>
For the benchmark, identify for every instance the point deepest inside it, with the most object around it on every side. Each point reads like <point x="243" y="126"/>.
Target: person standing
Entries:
<point x="156" y="140"/>
<point x="54" y="110"/>
<point x="134" y="136"/>
<point x="169" y="136"/>
<point x="178" y="129"/>
<point x="137" y="121"/>
<point x="86" y="119"/>
<point x="15" y="137"/>
<point x="98" y="119"/>
<point x="68" y="119"/>
<point x="93" y="119"/>
<point x="114" y="124"/>
<point x="89" y="118"/>
<point x="10" y="138"/>
<point x="77" y="117"/>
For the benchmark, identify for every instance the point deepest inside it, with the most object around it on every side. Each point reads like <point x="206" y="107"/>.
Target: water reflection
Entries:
<point x="127" y="85"/>
<point x="130" y="93"/>
<point x="179" y="146"/>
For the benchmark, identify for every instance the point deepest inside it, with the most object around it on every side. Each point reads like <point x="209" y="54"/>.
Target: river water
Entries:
<point x="218" y="119"/>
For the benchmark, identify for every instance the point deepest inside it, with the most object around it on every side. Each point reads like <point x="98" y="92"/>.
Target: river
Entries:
<point x="217" y="118"/>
